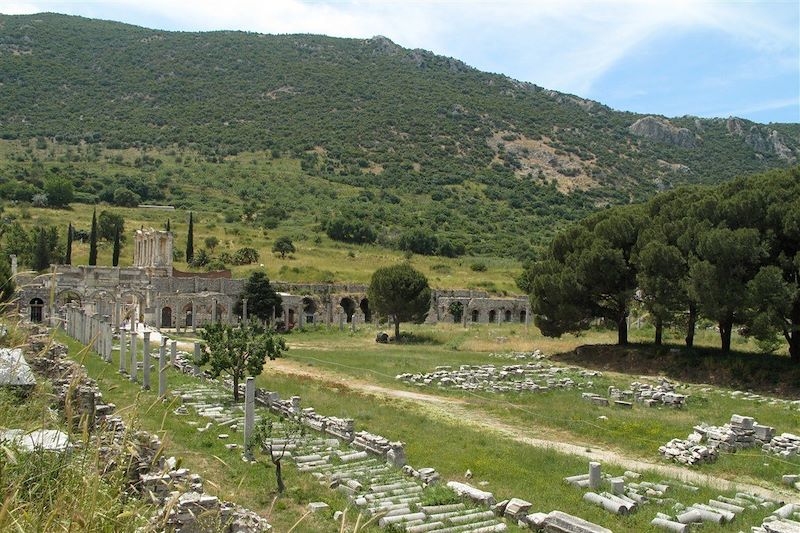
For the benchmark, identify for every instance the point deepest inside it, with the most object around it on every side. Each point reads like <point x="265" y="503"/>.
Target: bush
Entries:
<point x="352" y="230"/>
<point x="125" y="197"/>
<point x="245" y="256"/>
<point x="419" y="241"/>
<point x="478" y="266"/>
<point x="59" y="191"/>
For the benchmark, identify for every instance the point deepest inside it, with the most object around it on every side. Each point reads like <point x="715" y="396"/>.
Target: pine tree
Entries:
<point x="190" y="240"/>
<point x="115" y="254"/>
<point x="93" y="240"/>
<point x="68" y="253"/>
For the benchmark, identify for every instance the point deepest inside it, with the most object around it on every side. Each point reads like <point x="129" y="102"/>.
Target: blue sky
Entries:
<point x="672" y="57"/>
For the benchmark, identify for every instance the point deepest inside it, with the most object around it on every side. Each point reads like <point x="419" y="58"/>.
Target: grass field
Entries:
<point x="561" y="413"/>
<point x="508" y="468"/>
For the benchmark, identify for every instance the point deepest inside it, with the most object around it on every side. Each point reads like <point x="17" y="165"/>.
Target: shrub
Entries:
<point x="245" y="256"/>
<point x="478" y="266"/>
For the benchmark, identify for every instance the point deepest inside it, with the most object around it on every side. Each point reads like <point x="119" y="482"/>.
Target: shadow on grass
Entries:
<point x="764" y="373"/>
<point x="409" y="338"/>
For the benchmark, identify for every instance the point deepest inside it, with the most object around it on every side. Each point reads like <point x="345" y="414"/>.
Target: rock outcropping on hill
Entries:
<point x="662" y="130"/>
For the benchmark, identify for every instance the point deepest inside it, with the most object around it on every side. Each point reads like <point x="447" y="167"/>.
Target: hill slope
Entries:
<point x="429" y="131"/>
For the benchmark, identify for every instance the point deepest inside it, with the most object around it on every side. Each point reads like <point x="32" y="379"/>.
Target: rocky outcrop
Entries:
<point x="661" y="130"/>
<point x="768" y="142"/>
<point x="736" y="126"/>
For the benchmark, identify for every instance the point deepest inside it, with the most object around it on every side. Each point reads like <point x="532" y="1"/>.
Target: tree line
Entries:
<point x="729" y="253"/>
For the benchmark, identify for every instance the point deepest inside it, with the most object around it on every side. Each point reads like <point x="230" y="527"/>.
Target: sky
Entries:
<point x="670" y="57"/>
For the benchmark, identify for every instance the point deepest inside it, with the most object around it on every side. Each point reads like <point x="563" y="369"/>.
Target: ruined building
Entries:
<point x="154" y="292"/>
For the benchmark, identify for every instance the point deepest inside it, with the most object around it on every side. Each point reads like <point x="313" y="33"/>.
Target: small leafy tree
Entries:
<point x="457" y="310"/>
<point x="126" y="198"/>
<point x="93" y="240"/>
<point x="283" y="245"/>
<point x="399" y="293"/>
<point x="239" y="351"/>
<point x="59" y="191"/>
<point x="245" y="256"/>
<point x="6" y="281"/>
<point x="109" y="224"/>
<point x="211" y="242"/>
<point x="264" y="436"/>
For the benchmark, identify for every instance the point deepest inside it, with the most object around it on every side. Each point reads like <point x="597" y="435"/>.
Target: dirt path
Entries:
<point x="457" y="411"/>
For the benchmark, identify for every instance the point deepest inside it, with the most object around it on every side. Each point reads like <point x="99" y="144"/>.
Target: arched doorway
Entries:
<point x="166" y="317"/>
<point x="309" y="309"/>
<point x="457" y="310"/>
<point x="476" y="315"/>
<point x="37" y="310"/>
<point x="69" y="296"/>
<point x="364" y="305"/>
<point x="523" y="315"/>
<point x="349" y="307"/>
<point x="187" y="312"/>
<point x="291" y="318"/>
<point x="492" y="316"/>
<point x="508" y="315"/>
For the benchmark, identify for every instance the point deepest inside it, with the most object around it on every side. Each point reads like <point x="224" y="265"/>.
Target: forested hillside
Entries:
<point x="421" y="143"/>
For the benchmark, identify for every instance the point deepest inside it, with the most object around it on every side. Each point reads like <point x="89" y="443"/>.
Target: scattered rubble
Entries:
<point x="529" y="377"/>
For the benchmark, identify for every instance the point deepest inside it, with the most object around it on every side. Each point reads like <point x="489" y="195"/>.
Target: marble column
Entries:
<point x="134" y="358"/>
<point x="122" y="352"/>
<point x="198" y="348"/>
<point x="146" y="361"/>
<point x="194" y="318"/>
<point x="162" y="369"/>
<point x="249" y="415"/>
<point x="173" y="352"/>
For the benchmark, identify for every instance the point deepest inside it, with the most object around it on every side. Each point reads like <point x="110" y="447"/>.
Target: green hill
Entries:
<point x="397" y="138"/>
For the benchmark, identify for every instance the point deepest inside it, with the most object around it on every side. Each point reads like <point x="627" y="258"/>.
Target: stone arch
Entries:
<point x="349" y="307"/>
<point x="68" y="296"/>
<point x="476" y="315"/>
<point x="290" y="315"/>
<point x="364" y="305"/>
<point x="523" y="316"/>
<point x="508" y="315"/>
<point x="492" y="316"/>
<point x="309" y="309"/>
<point x="166" y="317"/>
<point x="457" y="310"/>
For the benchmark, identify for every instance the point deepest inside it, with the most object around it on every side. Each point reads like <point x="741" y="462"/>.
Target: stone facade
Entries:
<point x="153" y="292"/>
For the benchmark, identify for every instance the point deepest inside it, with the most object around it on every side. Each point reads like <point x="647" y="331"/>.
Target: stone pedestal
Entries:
<point x="173" y="352"/>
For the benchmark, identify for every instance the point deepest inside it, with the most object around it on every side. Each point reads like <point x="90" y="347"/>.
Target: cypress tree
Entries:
<point x="41" y="251"/>
<point x="68" y="253"/>
<point x="190" y="240"/>
<point x="115" y="254"/>
<point x="93" y="240"/>
<point x="167" y="226"/>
